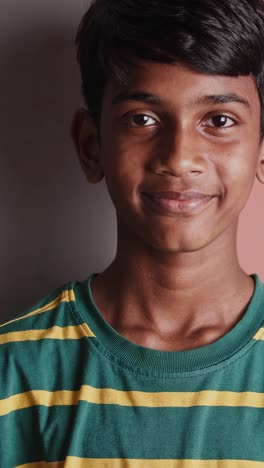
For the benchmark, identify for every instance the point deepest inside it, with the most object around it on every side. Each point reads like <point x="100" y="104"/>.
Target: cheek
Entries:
<point x="122" y="175"/>
<point x="122" y="160"/>
<point x="237" y="173"/>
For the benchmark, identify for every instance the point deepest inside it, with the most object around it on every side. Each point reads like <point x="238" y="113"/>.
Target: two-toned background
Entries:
<point x="54" y="227"/>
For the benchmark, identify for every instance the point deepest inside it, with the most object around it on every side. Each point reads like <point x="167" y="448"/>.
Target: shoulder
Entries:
<point x="43" y="314"/>
<point x="32" y="343"/>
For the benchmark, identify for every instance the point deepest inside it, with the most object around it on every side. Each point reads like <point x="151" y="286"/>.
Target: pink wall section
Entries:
<point x="251" y="233"/>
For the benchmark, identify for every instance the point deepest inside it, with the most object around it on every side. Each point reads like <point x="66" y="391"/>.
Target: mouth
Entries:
<point x="171" y="203"/>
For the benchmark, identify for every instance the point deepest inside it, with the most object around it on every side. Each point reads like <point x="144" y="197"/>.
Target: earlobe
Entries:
<point x="260" y="167"/>
<point x="85" y="139"/>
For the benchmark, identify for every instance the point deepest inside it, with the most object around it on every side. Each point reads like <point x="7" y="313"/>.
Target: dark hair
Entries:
<point x="211" y="36"/>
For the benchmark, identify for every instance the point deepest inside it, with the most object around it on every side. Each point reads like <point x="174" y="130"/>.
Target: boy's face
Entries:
<point x="176" y="130"/>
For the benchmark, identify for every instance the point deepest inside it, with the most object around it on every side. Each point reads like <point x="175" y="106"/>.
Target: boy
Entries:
<point x="158" y="360"/>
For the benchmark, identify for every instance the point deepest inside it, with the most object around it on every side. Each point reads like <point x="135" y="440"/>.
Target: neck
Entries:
<point x="174" y="300"/>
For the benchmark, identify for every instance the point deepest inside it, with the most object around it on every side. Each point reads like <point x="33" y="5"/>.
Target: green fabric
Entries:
<point x="225" y="423"/>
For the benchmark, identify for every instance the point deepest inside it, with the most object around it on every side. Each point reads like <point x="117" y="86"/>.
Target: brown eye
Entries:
<point x="142" y="120"/>
<point x="221" y="121"/>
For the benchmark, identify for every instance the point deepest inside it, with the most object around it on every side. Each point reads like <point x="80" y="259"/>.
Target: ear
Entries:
<point x="85" y="138"/>
<point x="260" y="167"/>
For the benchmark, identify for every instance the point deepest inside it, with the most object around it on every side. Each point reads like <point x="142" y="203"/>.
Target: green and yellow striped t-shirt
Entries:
<point x="74" y="393"/>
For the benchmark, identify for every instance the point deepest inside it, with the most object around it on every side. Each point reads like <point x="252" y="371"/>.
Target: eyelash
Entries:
<point x="234" y="122"/>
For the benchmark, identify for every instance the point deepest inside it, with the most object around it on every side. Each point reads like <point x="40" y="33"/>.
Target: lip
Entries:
<point x="171" y="203"/>
<point x="187" y="195"/>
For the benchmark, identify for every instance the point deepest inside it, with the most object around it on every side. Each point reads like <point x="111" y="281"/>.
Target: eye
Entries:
<point x="142" y="120"/>
<point x="220" y="121"/>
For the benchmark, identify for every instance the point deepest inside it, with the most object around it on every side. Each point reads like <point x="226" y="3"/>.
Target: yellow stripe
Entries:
<point x="45" y="465"/>
<point x="38" y="397"/>
<point x="75" y="462"/>
<point x="171" y="399"/>
<point x="259" y="335"/>
<point x="54" y="333"/>
<point x="65" y="296"/>
<point x="106" y="396"/>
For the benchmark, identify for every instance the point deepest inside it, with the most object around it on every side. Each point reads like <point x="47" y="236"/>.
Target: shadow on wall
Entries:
<point x="55" y="227"/>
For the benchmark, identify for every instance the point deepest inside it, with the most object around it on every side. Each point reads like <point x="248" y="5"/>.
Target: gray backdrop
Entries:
<point x="54" y="226"/>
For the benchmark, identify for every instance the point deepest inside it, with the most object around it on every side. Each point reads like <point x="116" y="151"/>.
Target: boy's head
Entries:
<point x="175" y="97"/>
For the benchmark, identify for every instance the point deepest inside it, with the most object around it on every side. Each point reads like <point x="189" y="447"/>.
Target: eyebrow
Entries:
<point x="138" y="96"/>
<point x="223" y="99"/>
<point x="141" y="96"/>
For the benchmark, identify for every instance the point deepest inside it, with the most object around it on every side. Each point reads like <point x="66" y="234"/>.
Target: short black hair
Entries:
<point x="218" y="37"/>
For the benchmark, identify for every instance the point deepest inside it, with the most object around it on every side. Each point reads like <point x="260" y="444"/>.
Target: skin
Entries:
<point x="176" y="282"/>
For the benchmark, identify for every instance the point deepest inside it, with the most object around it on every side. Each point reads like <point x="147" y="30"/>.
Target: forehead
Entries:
<point x="182" y="85"/>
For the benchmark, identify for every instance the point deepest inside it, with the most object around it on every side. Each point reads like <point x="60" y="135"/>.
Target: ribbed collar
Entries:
<point x="163" y="362"/>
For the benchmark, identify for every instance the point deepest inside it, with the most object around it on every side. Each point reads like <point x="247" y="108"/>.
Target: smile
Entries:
<point x="169" y="206"/>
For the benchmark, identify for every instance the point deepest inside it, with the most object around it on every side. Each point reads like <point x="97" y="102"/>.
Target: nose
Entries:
<point x="179" y="153"/>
